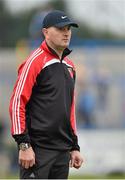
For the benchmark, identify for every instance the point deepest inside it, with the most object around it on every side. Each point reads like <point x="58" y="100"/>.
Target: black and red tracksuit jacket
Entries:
<point x="42" y="107"/>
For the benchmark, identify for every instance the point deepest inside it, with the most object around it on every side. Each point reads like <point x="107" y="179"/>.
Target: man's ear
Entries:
<point x="44" y="31"/>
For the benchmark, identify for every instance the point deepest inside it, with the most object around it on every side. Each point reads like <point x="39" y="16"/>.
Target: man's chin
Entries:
<point x="65" y="45"/>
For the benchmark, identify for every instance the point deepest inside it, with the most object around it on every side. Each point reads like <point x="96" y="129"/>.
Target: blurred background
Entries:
<point x="99" y="56"/>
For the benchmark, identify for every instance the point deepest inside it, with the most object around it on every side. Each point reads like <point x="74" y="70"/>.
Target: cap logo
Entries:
<point x="63" y="17"/>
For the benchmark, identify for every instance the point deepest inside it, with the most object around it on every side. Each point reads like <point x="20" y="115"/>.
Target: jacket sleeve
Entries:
<point x="75" y="145"/>
<point x="21" y="94"/>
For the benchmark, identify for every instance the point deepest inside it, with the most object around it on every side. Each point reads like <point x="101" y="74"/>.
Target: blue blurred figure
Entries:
<point x="86" y="107"/>
<point x="36" y="26"/>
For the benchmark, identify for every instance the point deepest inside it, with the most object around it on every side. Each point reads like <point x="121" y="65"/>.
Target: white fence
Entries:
<point x="103" y="151"/>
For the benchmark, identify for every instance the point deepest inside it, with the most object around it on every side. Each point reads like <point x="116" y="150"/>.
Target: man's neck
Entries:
<point x="59" y="51"/>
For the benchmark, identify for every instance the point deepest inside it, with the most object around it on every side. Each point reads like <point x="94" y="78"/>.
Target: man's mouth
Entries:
<point x="65" y="39"/>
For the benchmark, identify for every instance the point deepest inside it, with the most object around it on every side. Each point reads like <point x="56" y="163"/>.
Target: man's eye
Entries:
<point x="64" y="28"/>
<point x="69" y="27"/>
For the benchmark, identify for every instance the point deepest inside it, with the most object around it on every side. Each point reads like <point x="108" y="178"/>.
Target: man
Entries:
<point x="42" y="105"/>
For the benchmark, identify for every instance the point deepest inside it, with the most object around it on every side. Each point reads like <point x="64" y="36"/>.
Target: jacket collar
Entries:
<point x="45" y="47"/>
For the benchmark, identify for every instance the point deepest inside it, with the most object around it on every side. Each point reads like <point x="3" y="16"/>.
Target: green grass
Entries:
<point x="109" y="176"/>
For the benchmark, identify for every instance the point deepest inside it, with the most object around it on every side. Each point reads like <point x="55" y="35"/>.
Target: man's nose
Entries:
<point x="66" y="29"/>
<point x="66" y="32"/>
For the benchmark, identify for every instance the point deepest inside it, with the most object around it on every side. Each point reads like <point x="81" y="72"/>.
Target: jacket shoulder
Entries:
<point x="35" y="59"/>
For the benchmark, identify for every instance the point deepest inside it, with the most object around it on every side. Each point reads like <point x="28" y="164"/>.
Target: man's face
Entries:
<point x="58" y="37"/>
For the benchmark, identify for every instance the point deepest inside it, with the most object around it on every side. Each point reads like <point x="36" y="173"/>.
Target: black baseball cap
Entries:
<point x="57" y="18"/>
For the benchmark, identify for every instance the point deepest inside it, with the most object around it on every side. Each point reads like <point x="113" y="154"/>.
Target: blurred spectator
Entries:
<point x="13" y="157"/>
<point x="2" y="133"/>
<point x="102" y="83"/>
<point x="22" y="50"/>
<point x="24" y="46"/>
<point x="35" y="27"/>
<point x="86" y="107"/>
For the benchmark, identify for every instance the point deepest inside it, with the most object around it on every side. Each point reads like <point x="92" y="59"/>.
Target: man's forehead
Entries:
<point x="55" y="27"/>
